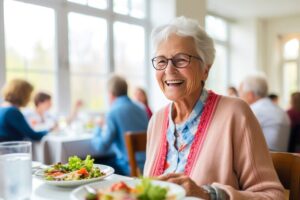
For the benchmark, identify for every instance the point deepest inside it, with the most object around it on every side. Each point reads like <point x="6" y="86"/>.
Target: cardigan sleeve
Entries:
<point x="154" y="132"/>
<point x="252" y="163"/>
<point x="148" y="162"/>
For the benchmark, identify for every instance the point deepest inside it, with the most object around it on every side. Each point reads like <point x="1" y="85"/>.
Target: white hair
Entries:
<point x="256" y="84"/>
<point x="186" y="27"/>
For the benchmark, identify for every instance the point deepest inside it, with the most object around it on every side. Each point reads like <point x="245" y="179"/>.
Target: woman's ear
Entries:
<point x="206" y="71"/>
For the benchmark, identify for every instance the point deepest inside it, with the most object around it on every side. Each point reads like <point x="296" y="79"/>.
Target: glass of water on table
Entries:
<point x="15" y="170"/>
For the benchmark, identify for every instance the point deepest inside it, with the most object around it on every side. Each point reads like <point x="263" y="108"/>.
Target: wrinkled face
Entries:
<point x="180" y="83"/>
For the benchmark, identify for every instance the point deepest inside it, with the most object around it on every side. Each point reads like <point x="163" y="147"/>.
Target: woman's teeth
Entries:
<point x="174" y="82"/>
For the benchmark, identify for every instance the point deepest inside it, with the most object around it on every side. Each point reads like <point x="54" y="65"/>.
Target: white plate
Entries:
<point x="81" y="192"/>
<point x="35" y="164"/>
<point x="106" y="169"/>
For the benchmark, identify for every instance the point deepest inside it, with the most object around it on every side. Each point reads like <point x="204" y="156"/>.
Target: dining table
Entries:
<point x="59" y="146"/>
<point x="44" y="191"/>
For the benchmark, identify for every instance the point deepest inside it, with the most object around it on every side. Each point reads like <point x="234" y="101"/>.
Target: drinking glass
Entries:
<point x="15" y="170"/>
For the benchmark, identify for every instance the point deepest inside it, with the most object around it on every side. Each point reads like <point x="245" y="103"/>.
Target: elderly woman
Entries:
<point x="13" y="125"/>
<point x="211" y="145"/>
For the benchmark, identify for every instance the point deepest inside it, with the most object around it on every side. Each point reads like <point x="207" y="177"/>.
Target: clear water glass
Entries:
<point x="15" y="170"/>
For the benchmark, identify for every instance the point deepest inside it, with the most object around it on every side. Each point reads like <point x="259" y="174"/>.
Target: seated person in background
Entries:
<point x="232" y="92"/>
<point x="39" y="118"/>
<point x="209" y="144"/>
<point x="274" y="122"/>
<point x="13" y="125"/>
<point x="141" y="97"/>
<point x="274" y="98"/>
<point x="124" y="115"/>
<point x="294" y="114"/>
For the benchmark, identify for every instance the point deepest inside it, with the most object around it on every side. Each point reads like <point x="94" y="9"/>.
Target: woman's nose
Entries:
<point x="170" y="68"/>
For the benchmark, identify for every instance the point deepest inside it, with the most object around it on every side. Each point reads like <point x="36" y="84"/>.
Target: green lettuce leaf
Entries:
<point x="148" y="191"/>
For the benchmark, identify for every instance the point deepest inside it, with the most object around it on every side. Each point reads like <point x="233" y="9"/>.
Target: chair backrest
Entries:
<point x="294" y="139"/>
<point x="135" y="142"/>
<point x="287" y="166"/>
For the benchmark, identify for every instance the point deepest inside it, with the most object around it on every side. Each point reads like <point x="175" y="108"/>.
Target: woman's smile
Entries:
<point x="174" y="82"/>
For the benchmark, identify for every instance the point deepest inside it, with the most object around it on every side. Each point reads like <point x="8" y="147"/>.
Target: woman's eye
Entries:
<point x="179" y="61"/>
<point x="161" y="62"/>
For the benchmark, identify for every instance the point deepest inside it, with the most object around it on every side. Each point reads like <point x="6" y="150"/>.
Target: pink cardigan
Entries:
<point x="233" y="154"/>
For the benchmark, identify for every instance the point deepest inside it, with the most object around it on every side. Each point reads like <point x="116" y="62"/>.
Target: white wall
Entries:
<point x="195" y="9"/>
<point x="243" y="46"/>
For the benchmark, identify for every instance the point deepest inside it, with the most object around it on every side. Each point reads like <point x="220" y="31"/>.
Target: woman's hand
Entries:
<point x="191" y="188"/>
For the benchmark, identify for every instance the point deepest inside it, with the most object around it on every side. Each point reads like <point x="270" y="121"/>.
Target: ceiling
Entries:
<point x="254" y="8"/>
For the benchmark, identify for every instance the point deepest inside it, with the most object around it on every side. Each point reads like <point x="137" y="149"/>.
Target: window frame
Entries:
<point x="284" y="61"/>
<point x="62" y="8"/>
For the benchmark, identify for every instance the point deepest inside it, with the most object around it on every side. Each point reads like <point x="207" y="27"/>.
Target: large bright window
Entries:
<point x="129" y="60"/>
<point x="218" y="29"/>
<point x="134" y="8"/>
<point x="290" y="68"/>
<point x="218" y="74"/>
<point x="70" y="47"/>
<point x="29" y="39"/>
<point x="88" y="59"/>
<point x="102" y="4"/>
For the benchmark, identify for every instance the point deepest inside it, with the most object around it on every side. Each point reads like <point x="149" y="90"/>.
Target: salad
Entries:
<point x="143" y="191"/>
<point x="75" y="169"/>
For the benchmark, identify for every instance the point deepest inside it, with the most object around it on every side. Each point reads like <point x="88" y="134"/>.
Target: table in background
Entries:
<point x="59" y="147"/>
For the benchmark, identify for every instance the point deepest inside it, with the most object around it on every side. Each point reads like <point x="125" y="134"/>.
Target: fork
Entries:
<point x="90" y="189"/>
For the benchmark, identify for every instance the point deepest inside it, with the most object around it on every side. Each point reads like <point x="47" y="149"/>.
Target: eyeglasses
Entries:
<point x="180" y="60"/>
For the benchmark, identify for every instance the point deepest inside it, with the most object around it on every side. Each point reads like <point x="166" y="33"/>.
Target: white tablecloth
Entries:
<point x="42" y="191"/>
<point x="58" y="148"/>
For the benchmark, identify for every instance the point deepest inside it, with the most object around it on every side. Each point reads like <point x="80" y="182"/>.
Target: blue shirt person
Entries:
<point x="124" y="115"/>
<point x="13" y="125"/>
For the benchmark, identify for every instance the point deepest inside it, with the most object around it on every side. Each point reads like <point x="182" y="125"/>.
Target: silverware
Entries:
<point x="38" y="172"/>
<point x="90" y="189"/>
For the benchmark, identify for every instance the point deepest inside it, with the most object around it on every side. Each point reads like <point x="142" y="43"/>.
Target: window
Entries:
<point x="291" y="49"/>
<point x="102" y="4"/>
<point x="134" y="8"/>
<point x="218" y="72"/>
<point x="291" y="68"/>
<point x="29" y="39"/>
<point x="218" y="29"/>
<point x="137" y="8"/>
<point x="129" y="60"/>
<point x="70" y="47"/>
<point x="88" y="59"/>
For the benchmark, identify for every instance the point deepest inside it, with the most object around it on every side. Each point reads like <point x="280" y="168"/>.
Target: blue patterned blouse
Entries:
<point x="180" y="137"/>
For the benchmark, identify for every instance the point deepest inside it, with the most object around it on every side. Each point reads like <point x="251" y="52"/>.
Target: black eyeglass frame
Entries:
<point x="171" y="59"/>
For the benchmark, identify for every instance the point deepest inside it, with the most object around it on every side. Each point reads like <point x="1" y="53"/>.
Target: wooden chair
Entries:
<point x="135" y="142"/>
<point x="294" y="139"/>
<point x="287" y="166"/>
